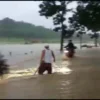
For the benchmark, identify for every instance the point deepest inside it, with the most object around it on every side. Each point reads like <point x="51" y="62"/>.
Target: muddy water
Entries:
<point x="79" y="80"/>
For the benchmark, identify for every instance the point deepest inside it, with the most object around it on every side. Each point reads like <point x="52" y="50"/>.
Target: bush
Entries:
<point x="4" y="67"/>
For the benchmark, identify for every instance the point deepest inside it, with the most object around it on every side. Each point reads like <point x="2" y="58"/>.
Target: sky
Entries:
<point x="27" y="11"/>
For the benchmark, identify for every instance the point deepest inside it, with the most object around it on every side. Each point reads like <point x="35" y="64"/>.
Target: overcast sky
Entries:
<point x="26" y="11"/>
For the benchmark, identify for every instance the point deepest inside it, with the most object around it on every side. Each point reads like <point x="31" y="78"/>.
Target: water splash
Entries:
<point x="21" y="73"/>
<point x="63" y="68"/>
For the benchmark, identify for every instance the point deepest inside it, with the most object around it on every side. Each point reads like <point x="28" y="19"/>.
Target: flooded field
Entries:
<point x="20" y="53"/>
<point x="25" y="59"/>
<point x="76" y="78"/>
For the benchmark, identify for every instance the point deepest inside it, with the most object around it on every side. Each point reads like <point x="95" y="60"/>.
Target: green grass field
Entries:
<point x="22" y="41"/>
<point x="11" y="40"/>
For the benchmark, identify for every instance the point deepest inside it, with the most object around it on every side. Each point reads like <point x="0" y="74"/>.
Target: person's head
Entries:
<point x="70" y="41"/>
<point x="46" y="46"/>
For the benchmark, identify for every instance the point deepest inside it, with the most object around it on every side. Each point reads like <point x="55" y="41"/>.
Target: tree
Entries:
<point x="80" y="35"/>
<point x="95" y="36"/>
<point x="88" y="15"/>
<point x="79" y="29"/>
<point x="57" y="10"/>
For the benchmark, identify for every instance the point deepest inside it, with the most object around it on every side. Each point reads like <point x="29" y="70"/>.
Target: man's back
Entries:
<point x="70" y="45"/>
<point x="48" y="56"/>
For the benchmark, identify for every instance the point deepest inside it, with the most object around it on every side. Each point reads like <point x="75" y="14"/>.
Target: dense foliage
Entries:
<point x="57" y="10"/>
<point x="87" y="15"/>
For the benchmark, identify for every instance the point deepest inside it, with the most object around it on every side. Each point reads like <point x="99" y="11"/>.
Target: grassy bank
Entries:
<point x="22" y="41"/>
<point x="11" y="40"/>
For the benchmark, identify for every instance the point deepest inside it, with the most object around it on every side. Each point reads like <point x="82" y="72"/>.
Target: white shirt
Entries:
<point x="48" y="56"/>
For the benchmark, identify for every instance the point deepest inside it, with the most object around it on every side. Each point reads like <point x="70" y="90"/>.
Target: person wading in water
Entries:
<point x="47" y="58"/>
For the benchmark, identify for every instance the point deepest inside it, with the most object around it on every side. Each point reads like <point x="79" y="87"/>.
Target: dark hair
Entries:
<point x="70" y="40"/>
<point x="46" y="46"/>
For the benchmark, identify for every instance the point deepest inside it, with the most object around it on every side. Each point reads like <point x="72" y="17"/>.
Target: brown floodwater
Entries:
<point x="79" y="80"/>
